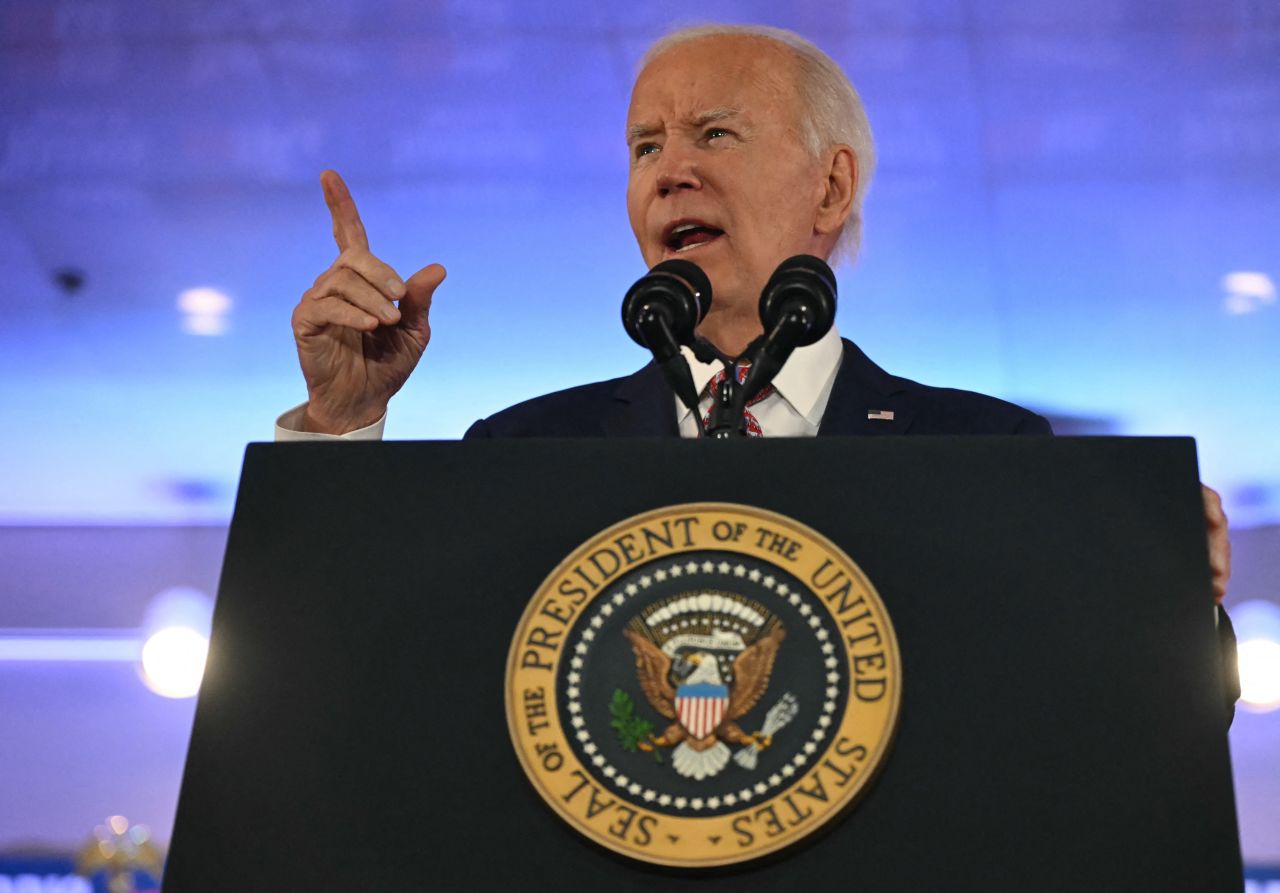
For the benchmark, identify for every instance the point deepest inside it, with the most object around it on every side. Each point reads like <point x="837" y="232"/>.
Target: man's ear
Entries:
<point x="841" y="186"/>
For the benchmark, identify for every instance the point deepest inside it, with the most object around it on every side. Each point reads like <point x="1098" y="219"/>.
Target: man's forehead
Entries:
<point x="709" y="79"/>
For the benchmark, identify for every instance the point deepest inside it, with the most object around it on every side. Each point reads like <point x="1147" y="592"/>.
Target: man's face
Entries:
<point x="719" y="175"/>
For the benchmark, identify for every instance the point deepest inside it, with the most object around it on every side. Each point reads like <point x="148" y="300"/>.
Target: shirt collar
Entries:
<point x="807" y="375"/>
<point x="802" y="381"/>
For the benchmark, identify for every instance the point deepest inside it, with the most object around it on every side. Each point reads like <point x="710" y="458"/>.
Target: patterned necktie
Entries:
<point x="753" y="424"/>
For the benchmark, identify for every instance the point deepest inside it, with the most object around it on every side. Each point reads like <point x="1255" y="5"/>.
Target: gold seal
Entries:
<point x="703" y="684"/>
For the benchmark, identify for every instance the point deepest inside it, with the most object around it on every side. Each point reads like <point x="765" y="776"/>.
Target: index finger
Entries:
<point x="348" y="231"/>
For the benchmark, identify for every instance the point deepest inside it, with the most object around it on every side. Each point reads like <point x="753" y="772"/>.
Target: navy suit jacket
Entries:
<point x="642" y="405"/>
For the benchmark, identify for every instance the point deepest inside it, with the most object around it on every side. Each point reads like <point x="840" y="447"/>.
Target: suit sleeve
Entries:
<point x="1035" y="425"/>
<point x="1230" y="666"/>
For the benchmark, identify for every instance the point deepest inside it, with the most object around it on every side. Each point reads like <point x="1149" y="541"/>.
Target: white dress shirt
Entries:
<point x="289" y="427"/>
<point x="801" y="391"/>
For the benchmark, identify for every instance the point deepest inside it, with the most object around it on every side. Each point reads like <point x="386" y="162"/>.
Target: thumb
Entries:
<point x="416" y="303"/>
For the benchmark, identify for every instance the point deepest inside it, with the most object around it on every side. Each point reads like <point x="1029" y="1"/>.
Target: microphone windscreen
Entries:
<point x="693" y="275"/>
<point x="801" y="281"/>
<point x="678" y="291"/>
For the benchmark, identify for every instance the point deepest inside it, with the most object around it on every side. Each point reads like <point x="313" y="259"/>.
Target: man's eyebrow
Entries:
<point x="640" y="131"/>
<point x="719" y="113"/>
<point x="702" y="119"/>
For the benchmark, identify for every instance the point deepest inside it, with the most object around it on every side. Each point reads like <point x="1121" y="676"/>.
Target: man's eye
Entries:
<point x="646" y="149"/>
<point x="715" y="132"/>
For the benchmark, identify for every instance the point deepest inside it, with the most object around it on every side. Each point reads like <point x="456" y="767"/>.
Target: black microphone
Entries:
<point x="797" y="307"/>
<point x="661" y="312"/>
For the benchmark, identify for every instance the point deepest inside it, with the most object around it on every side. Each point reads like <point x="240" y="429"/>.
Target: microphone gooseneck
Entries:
<point x="661" y="312"/>
<point x="797" y="307"/>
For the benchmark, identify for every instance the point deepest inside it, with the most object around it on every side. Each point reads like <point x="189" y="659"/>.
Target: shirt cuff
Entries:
<point x="289" y="428"/>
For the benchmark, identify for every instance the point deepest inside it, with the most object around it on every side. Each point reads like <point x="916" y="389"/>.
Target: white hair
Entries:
<point x="831" y="113"/>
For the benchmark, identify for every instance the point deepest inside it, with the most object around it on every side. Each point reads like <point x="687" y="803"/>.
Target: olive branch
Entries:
<point x="631" y="729"/>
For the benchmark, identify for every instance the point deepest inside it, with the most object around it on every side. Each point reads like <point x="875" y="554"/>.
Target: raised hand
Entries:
<point x="1215" y="522"/>
<point x="356" y="347"/>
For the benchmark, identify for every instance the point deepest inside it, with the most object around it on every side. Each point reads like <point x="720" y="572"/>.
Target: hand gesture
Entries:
<point x="356" y="347"/>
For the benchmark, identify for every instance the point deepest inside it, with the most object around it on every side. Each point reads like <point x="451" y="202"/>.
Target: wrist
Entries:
<point x="318" y="423"/>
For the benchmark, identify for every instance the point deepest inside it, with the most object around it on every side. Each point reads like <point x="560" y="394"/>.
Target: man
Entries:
<point x="729" y="171"/>
<point x="747" y="146"/>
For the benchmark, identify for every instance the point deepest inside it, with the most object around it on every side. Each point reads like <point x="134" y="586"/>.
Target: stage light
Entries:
<point x="1247" y="292"/>
<point x="176" y="642"/>
<point x="173" y="661"/>
<point x="1260" y="674"/>
<point x="204" y="311"/>
<point x="1257" y="625"/>
<point x="204" y="302"/>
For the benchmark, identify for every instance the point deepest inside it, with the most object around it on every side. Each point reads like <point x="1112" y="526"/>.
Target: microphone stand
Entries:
<point x="797" y="306"/>
<point x="770" y="353"/>
<point x="727" y="419"/>
<point x="661" y="341"/>
<point x="767" y="355"/>
<point x="728" y="411"/>
<point x="662" y="310"/>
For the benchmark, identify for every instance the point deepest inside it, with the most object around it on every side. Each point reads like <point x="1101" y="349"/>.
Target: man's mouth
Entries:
<point x="687" y="235"/>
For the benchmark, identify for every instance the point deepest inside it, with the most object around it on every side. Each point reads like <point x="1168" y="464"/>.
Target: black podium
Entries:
<point x="1062" y="725"/>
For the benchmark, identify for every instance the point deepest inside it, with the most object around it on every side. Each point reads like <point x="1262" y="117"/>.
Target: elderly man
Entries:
<point x="747" y="146"/>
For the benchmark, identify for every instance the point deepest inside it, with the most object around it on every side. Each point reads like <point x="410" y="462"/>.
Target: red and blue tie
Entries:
<point x="753" y="424"/>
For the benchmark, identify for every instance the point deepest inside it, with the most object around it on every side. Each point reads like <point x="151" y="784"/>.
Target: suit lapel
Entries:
<point x="642" y="405"/>
<point x="862" y="389"/>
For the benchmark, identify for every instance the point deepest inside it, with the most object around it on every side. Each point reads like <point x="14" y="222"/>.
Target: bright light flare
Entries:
<point x="173" y="661"/>
<point x="204" y="302"/>
<point x="1257" y="623"/>
<point x="1247" y="291"/>
<point x="205" y="311"/>
<point x="1259" y="674"/>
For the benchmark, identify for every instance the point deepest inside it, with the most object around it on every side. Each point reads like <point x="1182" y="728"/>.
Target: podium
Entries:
<point x="1061" y="722"/>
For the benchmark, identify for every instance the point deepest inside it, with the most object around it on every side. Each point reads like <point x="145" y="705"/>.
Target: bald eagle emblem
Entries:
<point x="703" y="661"/>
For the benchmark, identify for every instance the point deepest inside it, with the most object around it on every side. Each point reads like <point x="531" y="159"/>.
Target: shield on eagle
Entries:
<point x="701" y="707"/>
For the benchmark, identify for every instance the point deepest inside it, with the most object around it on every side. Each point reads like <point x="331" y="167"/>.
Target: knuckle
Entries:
<point x="326" y="281"/>
<point x="303" y="319"/>
<point x="339" y="280"/>
<point x="354" y="256"/>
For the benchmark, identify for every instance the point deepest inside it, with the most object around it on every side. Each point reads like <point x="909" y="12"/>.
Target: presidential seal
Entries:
<point x="703" y="684"/>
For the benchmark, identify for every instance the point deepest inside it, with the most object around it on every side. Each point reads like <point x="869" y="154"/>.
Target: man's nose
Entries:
<point x="678" y="169"/>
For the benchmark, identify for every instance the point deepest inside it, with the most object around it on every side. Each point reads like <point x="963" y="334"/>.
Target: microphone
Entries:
<point x="802" y="289"/>
<point x="676" y="292"/>
<point x="661" y="312"/>
<point x="797" y="307"/>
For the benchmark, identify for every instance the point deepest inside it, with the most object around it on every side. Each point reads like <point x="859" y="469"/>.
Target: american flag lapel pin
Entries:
<point x="880" y="415"/>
